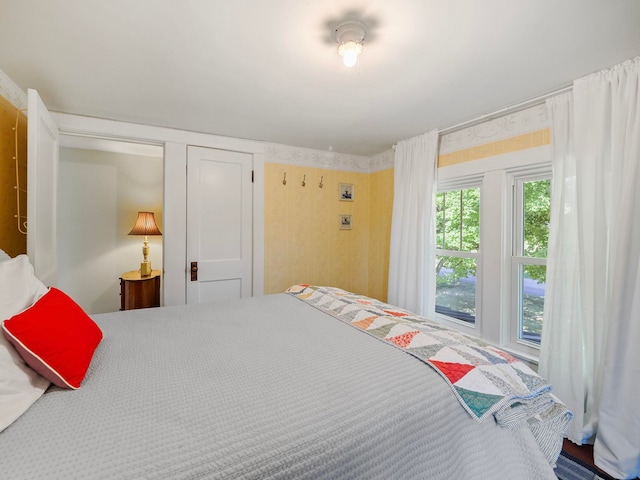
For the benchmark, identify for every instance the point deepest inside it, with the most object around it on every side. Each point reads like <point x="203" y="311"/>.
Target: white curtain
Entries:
<point x="564" y="360"/>
<point x="412" y="249"/>
<point x="592" y="311"/>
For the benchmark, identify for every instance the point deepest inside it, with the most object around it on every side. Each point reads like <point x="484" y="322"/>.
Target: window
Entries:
<point x="492" y="230"/>
<point x="531" y="208"/>
<point x="458" y="242"/>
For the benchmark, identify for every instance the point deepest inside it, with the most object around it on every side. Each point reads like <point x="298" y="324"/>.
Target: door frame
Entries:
<point x="43" y="147"/>
<point x="175" y="142"/>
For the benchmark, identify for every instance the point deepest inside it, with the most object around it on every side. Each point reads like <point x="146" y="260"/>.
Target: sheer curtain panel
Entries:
<point x="412" y="249"/>
<point x="564" y="360"/>
<point x="614" y="96"/>
<point x="592" y="320"/>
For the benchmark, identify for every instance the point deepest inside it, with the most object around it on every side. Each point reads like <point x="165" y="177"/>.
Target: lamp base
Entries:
<point x="145" y="269"/>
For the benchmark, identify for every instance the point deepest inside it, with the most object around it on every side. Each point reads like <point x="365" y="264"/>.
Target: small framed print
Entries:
<point x="346" y="222"/>
<point x="346" y="192"/>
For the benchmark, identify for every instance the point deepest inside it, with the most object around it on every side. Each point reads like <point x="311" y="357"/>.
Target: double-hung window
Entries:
<point x="530" y="237"/>
<point x="492" y="230"/>
<point x="457" y="253"/>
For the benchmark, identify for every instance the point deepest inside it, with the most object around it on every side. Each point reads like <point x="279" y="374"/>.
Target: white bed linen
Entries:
<point x="259" y="388"/>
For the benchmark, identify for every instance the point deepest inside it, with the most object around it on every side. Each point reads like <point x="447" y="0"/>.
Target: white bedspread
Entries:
<point x="259" y="388"/>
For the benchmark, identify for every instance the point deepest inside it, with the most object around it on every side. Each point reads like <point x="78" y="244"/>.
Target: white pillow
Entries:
<point x="20" y="386"/>
<point x="4" y="256"/>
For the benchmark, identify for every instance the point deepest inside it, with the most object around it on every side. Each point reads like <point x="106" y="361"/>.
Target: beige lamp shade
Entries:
<point x="145" y="225"/>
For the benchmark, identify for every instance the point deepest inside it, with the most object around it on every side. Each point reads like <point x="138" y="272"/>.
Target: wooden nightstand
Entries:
<point x="139" y="292"/>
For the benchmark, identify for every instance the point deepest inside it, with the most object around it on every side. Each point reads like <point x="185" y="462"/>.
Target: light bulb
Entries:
<point x="349" y="52"/>
<point x="350" y="58"/>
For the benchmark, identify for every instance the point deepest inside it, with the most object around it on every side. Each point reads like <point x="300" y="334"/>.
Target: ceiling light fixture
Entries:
<point x="350" y="36"/>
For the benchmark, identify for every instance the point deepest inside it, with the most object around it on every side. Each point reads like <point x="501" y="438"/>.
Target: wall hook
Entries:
<point x="320" y="184"/>
<point x="304" y="180"/>
<point x="284" y="179"/>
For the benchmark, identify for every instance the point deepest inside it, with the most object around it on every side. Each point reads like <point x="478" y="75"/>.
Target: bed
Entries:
<point x="279" y="386"/>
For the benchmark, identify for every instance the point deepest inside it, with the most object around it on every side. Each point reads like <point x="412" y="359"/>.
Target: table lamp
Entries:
<point x="145" y="225"/>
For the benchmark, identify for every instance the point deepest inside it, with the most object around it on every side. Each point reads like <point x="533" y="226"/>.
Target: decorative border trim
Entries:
<point x="13" y="93"/>
<point x="382" y="161"/>
<point x="306" y="157"/>
<point x="525" y="121"/>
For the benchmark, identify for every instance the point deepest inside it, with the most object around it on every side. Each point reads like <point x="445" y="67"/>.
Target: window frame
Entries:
<point x="494" y="294"/>
<point x="466" y="182"/>
<point x="516" y="258"/>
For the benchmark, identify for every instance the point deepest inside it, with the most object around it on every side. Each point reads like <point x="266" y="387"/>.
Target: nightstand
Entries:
<point x="139" y="292"/>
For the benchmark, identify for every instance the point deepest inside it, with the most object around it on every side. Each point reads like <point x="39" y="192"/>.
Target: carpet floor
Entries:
<point x="569" y="467"/>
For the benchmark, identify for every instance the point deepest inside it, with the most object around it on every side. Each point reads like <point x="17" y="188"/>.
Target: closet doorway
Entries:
<point x="103" y="183"/>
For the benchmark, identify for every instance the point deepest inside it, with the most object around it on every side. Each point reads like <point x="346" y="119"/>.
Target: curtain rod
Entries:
<point x="502" y="111"/>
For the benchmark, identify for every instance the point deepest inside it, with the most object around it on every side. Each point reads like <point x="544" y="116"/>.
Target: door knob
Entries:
<point x="194" y="271"/>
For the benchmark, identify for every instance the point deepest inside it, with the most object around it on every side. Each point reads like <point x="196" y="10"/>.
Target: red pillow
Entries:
<point x="55" y="337"/>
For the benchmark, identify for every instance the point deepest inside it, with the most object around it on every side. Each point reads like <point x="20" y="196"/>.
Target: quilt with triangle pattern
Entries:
<point x="486" y="381"/>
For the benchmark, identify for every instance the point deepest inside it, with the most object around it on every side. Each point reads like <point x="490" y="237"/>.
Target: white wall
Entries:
<point x="100" y="194"/>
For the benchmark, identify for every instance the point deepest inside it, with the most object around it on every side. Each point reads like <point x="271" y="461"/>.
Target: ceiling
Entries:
<point x="268" y="70"/>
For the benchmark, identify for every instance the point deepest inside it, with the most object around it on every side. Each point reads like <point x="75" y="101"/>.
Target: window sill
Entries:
<point x="530" y="360"/>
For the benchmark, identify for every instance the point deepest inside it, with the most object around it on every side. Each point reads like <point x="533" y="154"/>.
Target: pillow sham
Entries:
<point x="20" y="386"/>
<point x="55" y="337"/>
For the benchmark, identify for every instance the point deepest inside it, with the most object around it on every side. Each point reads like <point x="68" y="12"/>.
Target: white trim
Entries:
<point x="111" y="145"/>
<point x="258" y="224"/>
<point x="511" y="161"/>
<point x="475" y="329"/>
<point x="456" y="253"/>
<point x="460" y="325"/>
<point x="510" y="329"/>
<point x="494" y="299"/>
<point x="456" y="183"/>
<point x="137" y="133"/>
<point x="175" y="144"/>
<point x="174" y="211"/>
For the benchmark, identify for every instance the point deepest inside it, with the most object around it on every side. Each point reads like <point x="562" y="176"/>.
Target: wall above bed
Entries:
<point x="302" y="244"/>
<point x="303" y="241"/>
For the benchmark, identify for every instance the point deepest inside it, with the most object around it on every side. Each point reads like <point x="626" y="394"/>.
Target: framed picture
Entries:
<point x="346" y="192"/>
<point x="345" y="222"/>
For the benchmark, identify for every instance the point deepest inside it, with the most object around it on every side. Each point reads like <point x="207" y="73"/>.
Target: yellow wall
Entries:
<point x="11" y="240"/>
<point x="381" y="204"/>
<point x="303" y="241"/>
<point x="507" y="145"/>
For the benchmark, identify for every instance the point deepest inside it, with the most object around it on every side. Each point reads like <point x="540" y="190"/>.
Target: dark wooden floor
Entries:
<point x="583" y="453"/>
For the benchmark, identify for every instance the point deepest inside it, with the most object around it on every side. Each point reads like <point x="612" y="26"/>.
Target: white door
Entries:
<point x="42" y="185"/>
<point x="219" y="224"/>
